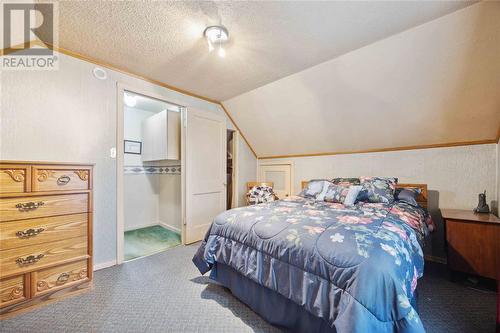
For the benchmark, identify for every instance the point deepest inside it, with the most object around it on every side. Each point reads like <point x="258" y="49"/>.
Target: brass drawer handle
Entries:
<point x="29" y="233"/>
<point x="25" y="207"/>
<point x="29" y="260"/>
<point x="63" y="180"/>
<point x="63" y="278"/>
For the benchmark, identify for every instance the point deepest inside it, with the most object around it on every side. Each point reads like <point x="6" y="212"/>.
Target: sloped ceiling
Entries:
<point x="436" y="83"/>
<point x="163" y="40"/>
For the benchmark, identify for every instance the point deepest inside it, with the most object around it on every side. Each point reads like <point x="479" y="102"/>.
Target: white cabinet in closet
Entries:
<point x="161" y="135"/>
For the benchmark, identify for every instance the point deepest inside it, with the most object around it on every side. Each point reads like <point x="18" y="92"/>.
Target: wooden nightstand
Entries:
<point x="473" y="242"/>
<point x="473" y="245"/>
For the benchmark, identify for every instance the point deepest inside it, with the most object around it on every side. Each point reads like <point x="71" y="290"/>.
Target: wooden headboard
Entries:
<point x="421" y="199"/>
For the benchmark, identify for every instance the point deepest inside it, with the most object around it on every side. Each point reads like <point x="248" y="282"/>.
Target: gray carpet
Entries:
<point x="165" y="293"/>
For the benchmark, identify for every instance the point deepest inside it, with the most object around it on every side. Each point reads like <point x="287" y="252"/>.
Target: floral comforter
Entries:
<point x="356" y="267"/>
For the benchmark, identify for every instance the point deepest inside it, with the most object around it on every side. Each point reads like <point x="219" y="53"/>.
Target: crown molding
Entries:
<point x="380" y="150"/>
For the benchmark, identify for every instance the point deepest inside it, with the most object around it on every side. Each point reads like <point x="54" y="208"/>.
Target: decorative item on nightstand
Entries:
<point x="482" y="206"/>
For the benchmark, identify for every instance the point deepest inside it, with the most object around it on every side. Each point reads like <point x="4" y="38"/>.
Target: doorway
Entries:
<point x="232" y="169"/>
<point x="202" y="171"/>
<point x="149" y="175"/>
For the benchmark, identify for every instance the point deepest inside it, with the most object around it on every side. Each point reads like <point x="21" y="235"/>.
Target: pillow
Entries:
<point x="314" y="188"/>
<point x="260" y="194"/>
<point x="377" y="189"/>
<point x="408" y="195"/>
<point x="336" y="193"/>
<point x="346" y="182"/>
<point x="321" y="195"/>
<point x="352" y="194"/>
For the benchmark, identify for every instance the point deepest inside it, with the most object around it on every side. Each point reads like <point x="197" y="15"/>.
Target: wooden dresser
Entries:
<point x="45" y="232"/>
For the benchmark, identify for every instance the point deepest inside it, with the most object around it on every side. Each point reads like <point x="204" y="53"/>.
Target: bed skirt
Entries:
<point x="270" y="305"/>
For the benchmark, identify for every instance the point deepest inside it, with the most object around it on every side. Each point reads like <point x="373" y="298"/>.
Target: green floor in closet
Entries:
<point x="149" y="240"/>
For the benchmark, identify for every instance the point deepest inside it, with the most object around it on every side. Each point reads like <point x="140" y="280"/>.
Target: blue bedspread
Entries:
<point x="357" y="268"/>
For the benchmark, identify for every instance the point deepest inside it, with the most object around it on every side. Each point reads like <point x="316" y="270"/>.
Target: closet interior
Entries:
<point x="152" y="175"/>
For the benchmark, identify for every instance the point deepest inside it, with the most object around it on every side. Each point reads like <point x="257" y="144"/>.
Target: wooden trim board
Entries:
<point x="380" y="150"/>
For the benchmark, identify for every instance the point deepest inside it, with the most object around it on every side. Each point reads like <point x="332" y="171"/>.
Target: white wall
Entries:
<point x="436" y="83"/>
<point x="132" y="130"/>
<point x="141" y="191"/>
<point x="169" y="208"/>
<point x="247" y="170"/>
<point x="454" y="176"/>
<point x="68" y="115"/>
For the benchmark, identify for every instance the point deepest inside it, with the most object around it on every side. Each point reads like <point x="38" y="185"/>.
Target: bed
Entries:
<point x="312" y="266"/>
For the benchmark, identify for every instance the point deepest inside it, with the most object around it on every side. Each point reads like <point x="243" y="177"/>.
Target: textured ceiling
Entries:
<point x="269" y="40"/>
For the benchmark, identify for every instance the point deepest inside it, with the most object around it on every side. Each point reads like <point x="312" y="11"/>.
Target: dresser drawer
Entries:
<point x="54" y="278"/>
<point x="13" y="290"/>
<point x="14" y="178"/>
<point x="33" y="257"/>
<point x="16" y="234"/>
<point x="41" y="206"/>
<point x="51" y="178"/>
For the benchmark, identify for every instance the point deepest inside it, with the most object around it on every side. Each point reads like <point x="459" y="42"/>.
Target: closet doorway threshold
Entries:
<point x="143" y="242"/>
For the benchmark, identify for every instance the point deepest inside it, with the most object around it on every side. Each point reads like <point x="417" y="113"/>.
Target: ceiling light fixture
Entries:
<point x="216" y="36"/>
<point x="129" y="100"/>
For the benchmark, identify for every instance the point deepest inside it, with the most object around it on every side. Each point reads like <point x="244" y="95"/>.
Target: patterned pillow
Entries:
<point x="336" y="193"/>
<point x="377" y="189"/>
<point x="260" y="194"/>
<point x="314" y="188"/>
<point x="352" y="194"/>
<point x="346" y="182"/>
<point x="408" y="195"/>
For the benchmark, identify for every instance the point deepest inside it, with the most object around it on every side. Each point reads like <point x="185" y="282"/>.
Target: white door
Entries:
<point x="279" y="175"/>
<point x="205" y="167"/>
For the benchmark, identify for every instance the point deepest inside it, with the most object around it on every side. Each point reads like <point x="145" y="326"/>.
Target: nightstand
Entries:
<point x="473" y="245"/>
<point x="472" y="242"/>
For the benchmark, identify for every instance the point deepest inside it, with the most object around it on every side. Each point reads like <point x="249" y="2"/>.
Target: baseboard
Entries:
<point x="169" y="227"/>
<point x="104" y="265"/>
<point x="142" y="226"/>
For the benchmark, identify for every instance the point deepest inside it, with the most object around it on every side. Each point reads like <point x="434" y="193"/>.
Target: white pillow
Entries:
<point x="351" y="196"/>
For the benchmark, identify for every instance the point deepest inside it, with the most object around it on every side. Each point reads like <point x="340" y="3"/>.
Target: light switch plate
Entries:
<point x="112" y="152"/>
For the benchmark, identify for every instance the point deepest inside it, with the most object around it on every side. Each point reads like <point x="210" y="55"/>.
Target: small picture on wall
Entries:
<point x="132" y="147"/>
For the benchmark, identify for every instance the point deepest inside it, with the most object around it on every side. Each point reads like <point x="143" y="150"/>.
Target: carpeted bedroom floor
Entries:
<point x="165" y="293"/>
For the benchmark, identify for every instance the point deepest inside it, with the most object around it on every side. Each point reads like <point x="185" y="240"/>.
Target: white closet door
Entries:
<point x="279" y="175"/>
<point x="205" y="171"/>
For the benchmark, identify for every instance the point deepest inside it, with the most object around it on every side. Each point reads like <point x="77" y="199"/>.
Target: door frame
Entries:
<point x="236" y="165"/>
<point x="120" y="216"/>
<point x="292" y="175"/>
<point x="234" y="176"/>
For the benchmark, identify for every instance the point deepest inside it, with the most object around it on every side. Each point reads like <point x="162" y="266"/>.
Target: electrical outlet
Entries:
<point x="112" y="152"/>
